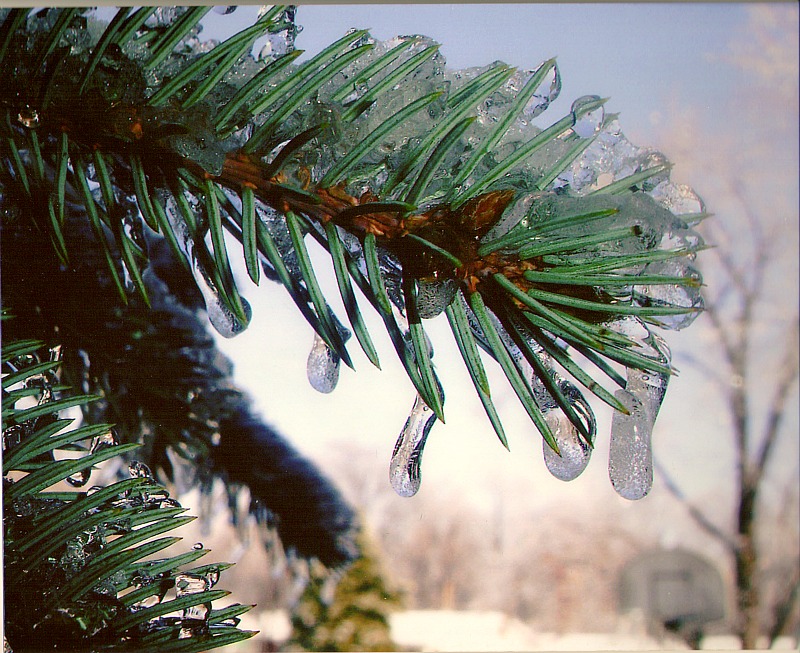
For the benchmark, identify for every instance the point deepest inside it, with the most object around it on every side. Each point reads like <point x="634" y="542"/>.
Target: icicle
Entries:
<point x="630" y="457"/>
<point x="575" y="452"/>
<point x="404" y="468"/>
<point x="323" y="366"/>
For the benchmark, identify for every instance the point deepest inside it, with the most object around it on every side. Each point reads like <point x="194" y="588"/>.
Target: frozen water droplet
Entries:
<point x="138" y="469"/>
<point x="404" y="468"/>
<point x="79" y="479"/>
<point x="322" y="366"/>
<point x="434" y="296"/>
<point x="28" y="117"/>
<point x="224" y="11"/>
<point x="630" y="457"/>
<point x="545" y="94"/>
<point x="104" y="441"/>
<point x="197" y="546"/>
<point x="147" y="602"/>
<point x="221" y="317"/>
<point x="575" y="453"/>
<point x="587" y="122"/>
<point x="186" y="584"/>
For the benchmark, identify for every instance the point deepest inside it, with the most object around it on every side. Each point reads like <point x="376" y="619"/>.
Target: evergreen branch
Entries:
<point x="434" y="161"/>
<point x="71" y="553"/>
<point x="108" y="37"/>
<point x="511" y="325"/>
<point x="422" y="353"/>
<point x="247" y="92"/>
<point x="329" y="331"/>
<point x="551" y="274"/>
<point x="465" y="340"/>
<point x="344" y="166"/>
<point x="163" y="45"/>
<point x="520" y="102"/>
<point x="511" y="371"/>
<point x="627" y="183"/>
<point x="62" y="23"/>
<point x="394" y="77"/>
<point x="336" y="250"/>
<point x="459" y="104"/>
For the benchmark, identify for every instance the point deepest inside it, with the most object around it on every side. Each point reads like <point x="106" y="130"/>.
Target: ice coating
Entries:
<point x="630" y="456"/>
<point x="276" y="225"/>
<point x="279" y="41"/>
<point x="630" y="462"/>
<point x="322" y="366"/>
<point x="195" y="617"/>
<point x="548" y="91"/>
<point x="404" y="468"/>
<point x="587" y="123"/>
<point x="575" y="452"/>
<point x="434" y="296"/>
<point x="685" y="295"/>
<point x="221" y="317"/>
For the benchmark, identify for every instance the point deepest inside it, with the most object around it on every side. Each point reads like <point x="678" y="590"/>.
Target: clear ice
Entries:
<point x="405" y="474"/>
<point x="589" y="123"/>
<point x="630" y="457"/>
<point x="221" y="317"/>
<point x="547" y="92"/>
<point x="435" y="296"/>
<point x="575" y="452"/>
<point x="322" y="366"/>
<point x="194" y="619"/>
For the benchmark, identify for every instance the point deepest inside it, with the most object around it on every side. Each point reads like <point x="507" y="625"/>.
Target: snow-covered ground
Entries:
<point x="456" y="630"/>
<point x="450" y="630"/>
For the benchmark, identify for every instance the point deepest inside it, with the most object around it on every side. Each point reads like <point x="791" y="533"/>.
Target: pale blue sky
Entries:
<point x="638" y="55"/>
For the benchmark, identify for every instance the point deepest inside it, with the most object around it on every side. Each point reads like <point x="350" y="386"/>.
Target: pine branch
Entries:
<point x="435" y="185"/>
<point x="74" y="573"/>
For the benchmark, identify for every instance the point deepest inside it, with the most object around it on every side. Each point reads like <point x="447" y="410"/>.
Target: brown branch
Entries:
<point x="789" y="373"/>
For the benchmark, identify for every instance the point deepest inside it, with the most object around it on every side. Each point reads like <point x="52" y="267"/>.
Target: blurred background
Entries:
<point x="493" y="553"/>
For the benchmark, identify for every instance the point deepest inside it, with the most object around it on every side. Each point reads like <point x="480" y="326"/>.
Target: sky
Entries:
<point x="656" y="63"/>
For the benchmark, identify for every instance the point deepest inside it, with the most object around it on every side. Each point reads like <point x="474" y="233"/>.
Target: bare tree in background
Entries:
<point x="751" y="314"/>
<point x="735" y="319"/>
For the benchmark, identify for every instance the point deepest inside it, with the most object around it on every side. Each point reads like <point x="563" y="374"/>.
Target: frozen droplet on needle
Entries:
<point x="404" y="468"/>
<point x="575" y="452"/>
<point x="322" y="366"/>
<point x="587" y="121"/>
